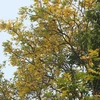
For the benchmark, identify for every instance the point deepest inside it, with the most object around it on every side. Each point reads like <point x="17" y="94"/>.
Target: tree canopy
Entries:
<point x="57" y="55"/>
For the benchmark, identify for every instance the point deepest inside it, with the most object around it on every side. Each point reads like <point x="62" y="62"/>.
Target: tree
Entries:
<point x="56" y="55"/>
<point x="8" y="90"/>
<point x="93" y="17"/>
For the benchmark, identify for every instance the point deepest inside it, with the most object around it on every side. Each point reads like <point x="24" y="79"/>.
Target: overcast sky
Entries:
<point x="9" y="10"/>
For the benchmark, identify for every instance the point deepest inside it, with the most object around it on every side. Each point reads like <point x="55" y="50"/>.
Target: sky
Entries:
<point x="9" y="10"/>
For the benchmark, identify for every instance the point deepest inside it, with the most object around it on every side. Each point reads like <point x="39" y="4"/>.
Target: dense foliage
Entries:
<point x="55" y="46"/>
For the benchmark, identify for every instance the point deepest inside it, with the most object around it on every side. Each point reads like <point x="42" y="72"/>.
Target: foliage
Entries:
<point x="58" y="55"/>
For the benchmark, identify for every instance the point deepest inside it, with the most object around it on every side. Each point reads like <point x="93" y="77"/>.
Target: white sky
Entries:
<point x="9" y="10"/>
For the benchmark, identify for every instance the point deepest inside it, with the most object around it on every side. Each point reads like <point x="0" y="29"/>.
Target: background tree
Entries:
<point x="91" y="39"/>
